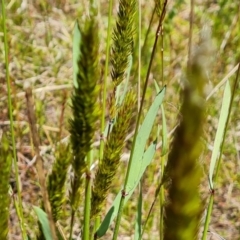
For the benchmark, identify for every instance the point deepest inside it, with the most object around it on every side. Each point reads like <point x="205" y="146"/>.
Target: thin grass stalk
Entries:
<point x="84" y="106"/>
<point x="159" y="7"/>
<point x="46" y="10"/>
<point x="5" y="168"/>
<point x="210" y="205"/>
<point x="112" y="153"/>
<point x="163" y="159"/>
<point x="60" y="231"/>
<point x="162" y="200"/>
<point x="118" y="220"/>
<point x="87" y="209"/>
<point x="191" y="16"/>
<point x="208" y="216"/>
<point x="148" y="30"/>
<point x="157" y="192"/>
<point x="160" y="189"/>
<point x="146" y="36"/>
<point x="110" y="6"/>
<point x="162" y="56"/>
<point x="104" y="96"/>
<point x="39" y="161"/>
<point x="139" y="52"/>
<point x="19" y="199"/>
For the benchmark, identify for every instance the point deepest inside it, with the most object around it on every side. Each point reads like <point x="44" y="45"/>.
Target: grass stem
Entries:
<point x="104" y="96"/>
<point x="191" y="16"/>
<point x="87" y="205"/>
<point x="20" y="212"/>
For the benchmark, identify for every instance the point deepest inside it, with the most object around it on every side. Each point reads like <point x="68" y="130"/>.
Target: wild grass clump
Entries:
<point x="112" y="127"/>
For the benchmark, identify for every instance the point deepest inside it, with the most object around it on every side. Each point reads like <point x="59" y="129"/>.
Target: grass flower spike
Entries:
<point x="84" y="103"/>
<point x="183" y="213"/>
<point x="112" y="153"/>
<point x="123" y="40"/>
<point x="57" y="179"/>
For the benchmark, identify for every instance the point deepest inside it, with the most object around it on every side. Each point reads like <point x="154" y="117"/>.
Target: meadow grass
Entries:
<point x="82" y="127"/>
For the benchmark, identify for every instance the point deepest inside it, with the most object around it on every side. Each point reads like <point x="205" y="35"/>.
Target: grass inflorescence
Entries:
<point x="114" y="146"/>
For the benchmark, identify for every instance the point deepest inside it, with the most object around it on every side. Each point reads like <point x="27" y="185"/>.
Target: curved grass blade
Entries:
<point x="147" y="158"/>
<point x="140" y="161"/>
<point x="142" y="138"/>
<point x="164" y="126"/>
<point x="220" y="131"/>
<point x="164" y="133"/>
<point x="43" y="219"/>
<point x="227" y="94"/>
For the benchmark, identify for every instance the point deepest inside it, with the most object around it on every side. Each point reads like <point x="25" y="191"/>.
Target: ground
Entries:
<point x="40" y="56"/>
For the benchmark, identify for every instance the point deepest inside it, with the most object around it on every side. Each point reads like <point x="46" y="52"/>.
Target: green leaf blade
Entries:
<point x="220" y="130"/>
<point x="112" y="213"/>
<point x="142" y="138"/>
<point x="43" y="219"/>
<point x="140" y="162"/>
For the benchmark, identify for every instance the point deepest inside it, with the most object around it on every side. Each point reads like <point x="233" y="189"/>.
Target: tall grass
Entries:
<point x="18" y="199"/>
<point x="122" y="116"/>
